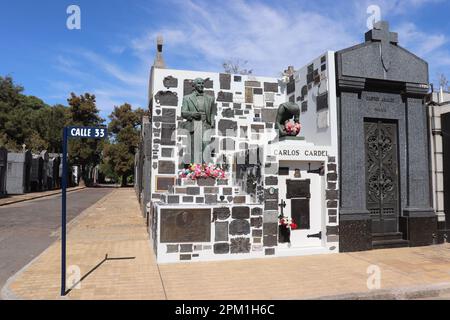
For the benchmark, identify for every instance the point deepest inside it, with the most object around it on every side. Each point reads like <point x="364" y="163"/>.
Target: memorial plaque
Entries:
<point x="240" y="245"/>
<point x="271" y="86"/>
<point x="185" y="225"/>
<point x="225" y="81"/>
<point x="257" y="91"/>
<point x="168" y="134"/>
<point x="239" y="227"/>
<point x="240" y="212"/>
<point x="298" y="189"/>
<point x="209" y="83"/>
<point x="224" y="96"/>
<point x="168" y="115"/>
<point x="248" y="95"/>
<point x="227" y="127"/>
<point x="170" y="82"/>
<point x="252" y="84"/>
<point x="221" y="233"/>
<point x="167" y="152"/>
<point x="164" y="183"/>
<point x="300" y="213"/>
<point x="322" y="101"/>
<point x="304" y="106"/>
<point x="166" y="98"/>
<point x="237" y="78"/>
<point x="290" y="87"/>
<point x="166" y="167"/>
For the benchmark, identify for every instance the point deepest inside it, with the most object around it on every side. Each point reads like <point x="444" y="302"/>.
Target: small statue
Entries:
<point x="199" y="110"/>
<point x="283" y="124"/>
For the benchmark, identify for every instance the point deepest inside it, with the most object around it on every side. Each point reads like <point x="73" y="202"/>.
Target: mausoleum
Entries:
<point x="223" y="173"/>
<point x="18" y="176"/>
<point x="3" y="167"/>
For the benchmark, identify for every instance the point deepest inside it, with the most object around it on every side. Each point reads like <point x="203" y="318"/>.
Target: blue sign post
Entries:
<point x="71" y="133"/>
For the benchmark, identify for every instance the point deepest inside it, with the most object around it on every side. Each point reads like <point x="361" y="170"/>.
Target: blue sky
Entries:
<point x="112" y="53"/>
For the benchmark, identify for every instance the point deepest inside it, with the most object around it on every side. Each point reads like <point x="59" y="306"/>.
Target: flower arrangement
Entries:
<point x="198" y="171"/>
<point x="287" y="222"/>
<point x="292" y="128"/>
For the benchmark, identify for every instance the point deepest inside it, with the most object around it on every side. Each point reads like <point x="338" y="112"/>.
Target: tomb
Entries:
<point x="3" y="168"/>
<point x="39" y="170"/>
<point x="261" y="189"/>
<point x="53" y="177"/>
<point x="18" y="177"/>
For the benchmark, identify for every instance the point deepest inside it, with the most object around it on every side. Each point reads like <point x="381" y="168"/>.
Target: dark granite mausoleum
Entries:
<point x="385" y="198"/>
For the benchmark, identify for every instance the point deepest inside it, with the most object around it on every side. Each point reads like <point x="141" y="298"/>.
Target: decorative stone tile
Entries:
<point x="206" y="182"/>
<point x="222" y="182"/>
<point x="257" y="233"/>
<point x="227" y="191"/>
<point x="188" y="199"/>
<point x="332" y="204"/>
<point x="240" y="212"/>
<point x="332" y="212"/>
<point x="271" y="205"/>
<point x="240" y="245"/>
<point x="221" y="248"/>
<point x="256" y="222"/>
<point x="166" y="98"/>
<point x="331" y="167"/>
<point x="237" y="105"/>
<point x="210" y="198"/>
<point x="332" y="219"/>
<point x="221" y="231"/>
<point x="270" y="228"/>
<point x="331" y="176"/>
<point x="185" y="257"/>
<point x="271" y="181"/>
<point x="332" y="230"/>
<point x="270" y="251"/>
<point x="270" y="241"/>
<point x="239" y="227"/>
<point x="199" y="200"/>
<point x="256" y="211"/>
<point x="192" y="191"/>
<point x="214" y="190"/>
<point x="173" y="199"/>
<point x="332" y="194"/>
<point x="172" y="248"/>
<point x="186" y="247"/>
<point x="331" y="185"/>
<point x="239" y="199"/>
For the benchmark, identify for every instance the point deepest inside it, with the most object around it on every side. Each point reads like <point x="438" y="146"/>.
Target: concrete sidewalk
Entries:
<point x="33" y="195"/>
<point x="114" y="227"/>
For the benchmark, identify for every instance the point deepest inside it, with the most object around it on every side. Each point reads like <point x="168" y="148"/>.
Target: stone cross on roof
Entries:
<point x="380" y="32"/>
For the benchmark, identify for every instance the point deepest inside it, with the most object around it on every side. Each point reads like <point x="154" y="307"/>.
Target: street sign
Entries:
<point x="72" y="133"/>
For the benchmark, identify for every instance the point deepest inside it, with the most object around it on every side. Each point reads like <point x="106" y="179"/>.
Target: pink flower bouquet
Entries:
<point x="198" y="171"/>
<point x="292" y="128"/>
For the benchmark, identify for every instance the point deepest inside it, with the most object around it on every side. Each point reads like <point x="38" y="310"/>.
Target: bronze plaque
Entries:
<point x="298" y="189"/>
<point x="185" y="225"/>
<point x="164" y="183"/>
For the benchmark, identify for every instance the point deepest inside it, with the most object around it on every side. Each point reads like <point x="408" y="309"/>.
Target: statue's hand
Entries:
<point x="197" y="116"/>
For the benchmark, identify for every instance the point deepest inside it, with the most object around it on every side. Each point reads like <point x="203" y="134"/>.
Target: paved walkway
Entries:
<point x="32" y="195"/>
<point x="114" y="227"/>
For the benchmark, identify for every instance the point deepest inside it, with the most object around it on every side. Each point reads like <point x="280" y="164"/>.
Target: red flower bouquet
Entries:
<point x="292" y="128"/>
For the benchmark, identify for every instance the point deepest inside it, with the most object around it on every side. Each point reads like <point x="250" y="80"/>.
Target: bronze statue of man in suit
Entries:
<point x="199" y="110"/>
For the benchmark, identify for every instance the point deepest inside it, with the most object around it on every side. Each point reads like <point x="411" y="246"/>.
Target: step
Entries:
<point x="384" y="244"/>
<point x="387" y="236"/>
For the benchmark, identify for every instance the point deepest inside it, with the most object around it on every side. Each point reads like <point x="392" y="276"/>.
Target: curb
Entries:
<point x="405" y="293"/>
<point x="6" y="293"/>
<point x="40" y="196"/>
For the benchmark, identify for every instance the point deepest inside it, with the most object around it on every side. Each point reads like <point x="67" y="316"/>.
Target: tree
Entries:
<point x="236" y="66"/>
<point x="84" y="152"/>
<point x="124" y="129"/>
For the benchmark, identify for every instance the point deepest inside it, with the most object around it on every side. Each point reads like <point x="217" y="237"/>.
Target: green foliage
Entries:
<point x="25" y="120"/>
<point x="124" y="129"/>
